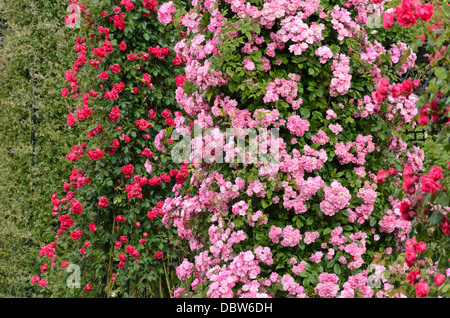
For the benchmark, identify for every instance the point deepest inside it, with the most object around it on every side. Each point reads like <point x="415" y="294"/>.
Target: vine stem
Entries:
<point x="167" y="279"/>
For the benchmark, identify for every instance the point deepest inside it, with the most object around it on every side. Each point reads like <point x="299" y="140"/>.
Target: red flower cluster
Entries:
<point x="180" y="80"/>
<point x="76" y="153"/>
<point x="135" y="188"/>
<point x="103" y="202"/>
<point x="96" y="154"/>
<point x="405" y="88"/>
<point x="159" y="52"/>
<point x="76" y="234"/>
<point x="407" y="14"/>
<point x="150" y="4"/>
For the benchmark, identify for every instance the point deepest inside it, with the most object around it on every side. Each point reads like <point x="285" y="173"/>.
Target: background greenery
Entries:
<point x="36" y="48"/>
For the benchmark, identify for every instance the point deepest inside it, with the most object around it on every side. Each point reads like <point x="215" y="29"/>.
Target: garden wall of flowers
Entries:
<point x="335" y="203"/>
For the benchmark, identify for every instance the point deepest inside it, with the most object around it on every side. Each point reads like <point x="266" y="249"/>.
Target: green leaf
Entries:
<point x="436" y="218"/>
<point x="337" y="269"/>
<point x="443" y="201"/>
<point x="441" y="73"/>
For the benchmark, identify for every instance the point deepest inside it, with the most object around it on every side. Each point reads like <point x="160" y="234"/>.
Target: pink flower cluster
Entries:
<point x="281" y="87"/>
<point x="363" y="146"/>
<point x="165" y="12"/>
<point x="297" y="126"/>
<point x="289" y="235"/>
<point x="324" y="53"/>
<point x="341" y="81"/>
<point x="336" y="197"/>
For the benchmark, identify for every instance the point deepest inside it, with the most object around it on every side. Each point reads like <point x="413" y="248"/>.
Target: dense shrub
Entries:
<point x="424" y="193"/>
<point x="310" y="222"/>
<point x="120" y="92"/>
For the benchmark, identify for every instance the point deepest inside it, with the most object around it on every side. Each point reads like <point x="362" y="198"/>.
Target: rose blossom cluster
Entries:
<point x="299" y="187"/>
<point x="165" y="12"/>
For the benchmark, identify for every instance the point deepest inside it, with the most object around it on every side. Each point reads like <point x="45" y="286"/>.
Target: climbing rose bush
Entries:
<point x="120" y="92"/>
<point x="307" y="213"/>
<point x="423" y="198"/>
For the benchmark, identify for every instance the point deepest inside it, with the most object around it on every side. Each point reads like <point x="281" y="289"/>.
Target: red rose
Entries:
<point x="410" y="258"/>
<point x="76" y="207"/>
<point x="396" y="90"/>
<point x="392" y="171"/>
<point x="177" y="60"/>
<point x="103" y="202"/>
<point x="439" y="279"/>
<point x="115" y="68"/>
<point x="407" y="87"/>
<point x="423" y="120"/>
<point x="76" y="234"/>
<point x="388" y="19"/>
<point x="445" y="226"/>
<point x="71" y="120"/>
<point x="420" y="247"/>
<point x="407" y="171"/>
<point x="95" y="154"/>
<point x="151" y="114"/>
<point x="428" y="184"/>
<point x="103" y="75"/>
<point x="405" y="15"/>
<point x="404" y="206"/>
<point x="92" y="227"/>
<point x="425" y="11"/>
<point x="123" y="46"/>
<point x="128" y="170"/>
<point x="166" y="113"/>
<point x="422" y="289"/>
<point x="408" y="185"/>
<point x="147" y="153"/>
<point x="436" y="173"/>
<point x="413" y="275"/>
<point x="382" y="176"/>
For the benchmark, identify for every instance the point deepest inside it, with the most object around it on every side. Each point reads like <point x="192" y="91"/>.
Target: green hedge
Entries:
<point x="35" y="50"/>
